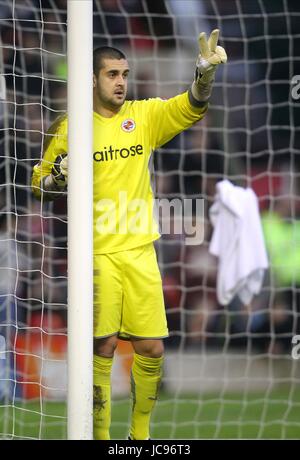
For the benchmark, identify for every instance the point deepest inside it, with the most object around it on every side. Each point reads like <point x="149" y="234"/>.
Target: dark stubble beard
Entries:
<point x="110" y="103"/>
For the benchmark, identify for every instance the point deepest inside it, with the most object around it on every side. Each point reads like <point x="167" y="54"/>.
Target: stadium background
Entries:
<point x="228" y="371"/>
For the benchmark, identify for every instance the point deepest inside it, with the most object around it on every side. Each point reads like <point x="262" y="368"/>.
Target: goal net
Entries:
<point x="230" y="371"/>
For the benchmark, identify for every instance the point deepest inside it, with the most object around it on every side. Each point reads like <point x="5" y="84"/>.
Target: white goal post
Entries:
<point x="80" y="219"/>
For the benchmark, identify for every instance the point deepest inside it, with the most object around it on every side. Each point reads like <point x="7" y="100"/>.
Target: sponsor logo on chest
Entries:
<point x="110" y="153"/>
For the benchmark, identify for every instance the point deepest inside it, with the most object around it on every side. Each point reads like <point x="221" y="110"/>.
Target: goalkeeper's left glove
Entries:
<point x="208" y="60"/>
<point x="59" y="170"/>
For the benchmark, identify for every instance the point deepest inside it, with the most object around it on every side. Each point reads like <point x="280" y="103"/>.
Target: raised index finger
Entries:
<point x="213" y="40"/>
<point x="203" y="45"/>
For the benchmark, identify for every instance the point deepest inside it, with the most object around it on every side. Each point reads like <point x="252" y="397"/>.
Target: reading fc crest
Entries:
<point x="128" y="125"/>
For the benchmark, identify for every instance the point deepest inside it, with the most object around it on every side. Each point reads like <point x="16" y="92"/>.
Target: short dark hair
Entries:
<point x="103" y="52"/>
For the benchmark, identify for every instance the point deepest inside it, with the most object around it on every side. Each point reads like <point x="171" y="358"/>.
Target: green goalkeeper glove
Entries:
<point x="208" y="60"/>
<point x="59" y="170"/>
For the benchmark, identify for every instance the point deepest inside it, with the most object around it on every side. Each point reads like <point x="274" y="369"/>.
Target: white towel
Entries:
<point x="238" y="242"/>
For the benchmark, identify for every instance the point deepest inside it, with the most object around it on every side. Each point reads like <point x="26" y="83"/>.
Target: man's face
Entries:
<point x="110" y="85"/>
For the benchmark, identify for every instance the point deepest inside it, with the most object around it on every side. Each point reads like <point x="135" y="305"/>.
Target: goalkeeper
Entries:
<point x="128" y="296"/>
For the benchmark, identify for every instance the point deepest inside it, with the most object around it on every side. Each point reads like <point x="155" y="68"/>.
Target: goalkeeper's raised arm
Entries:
<point x="167" y="118"/>
<point x="50" y="174"/>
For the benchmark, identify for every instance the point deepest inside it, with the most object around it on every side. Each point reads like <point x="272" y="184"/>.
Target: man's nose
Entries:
<point x="120" y="80"/>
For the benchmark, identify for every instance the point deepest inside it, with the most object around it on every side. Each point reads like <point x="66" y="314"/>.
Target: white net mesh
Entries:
<point x="33" y="239"/>
<point x="229" y="370"/>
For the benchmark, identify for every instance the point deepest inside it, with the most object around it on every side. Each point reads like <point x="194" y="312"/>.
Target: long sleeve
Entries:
<point x="167" y="118"/>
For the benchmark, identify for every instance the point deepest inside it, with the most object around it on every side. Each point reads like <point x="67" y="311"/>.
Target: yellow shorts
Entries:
<point x="128" y="295"/>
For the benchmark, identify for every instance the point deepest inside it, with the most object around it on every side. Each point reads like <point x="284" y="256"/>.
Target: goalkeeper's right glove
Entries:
<point x="59" y="170"/>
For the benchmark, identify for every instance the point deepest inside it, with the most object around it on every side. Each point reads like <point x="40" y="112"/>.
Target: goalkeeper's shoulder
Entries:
<point x="184" y="100"/>
<point x="55" y="138"/>
<point x="59" y="128"/>
<point x="182" y="106"/>
<point x="60" y="123"/>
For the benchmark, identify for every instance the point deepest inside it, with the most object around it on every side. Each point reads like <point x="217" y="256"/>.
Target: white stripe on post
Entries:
<point x="80" y="219"/>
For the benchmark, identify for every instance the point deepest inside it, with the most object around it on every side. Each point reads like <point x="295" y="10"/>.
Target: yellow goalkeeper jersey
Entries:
<point x="122" y="147"/>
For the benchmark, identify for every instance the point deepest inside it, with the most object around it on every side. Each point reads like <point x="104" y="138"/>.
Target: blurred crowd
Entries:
<point x="249" y="136"/>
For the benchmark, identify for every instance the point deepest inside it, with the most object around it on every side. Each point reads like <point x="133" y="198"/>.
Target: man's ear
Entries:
<point x="94" y="81"/>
